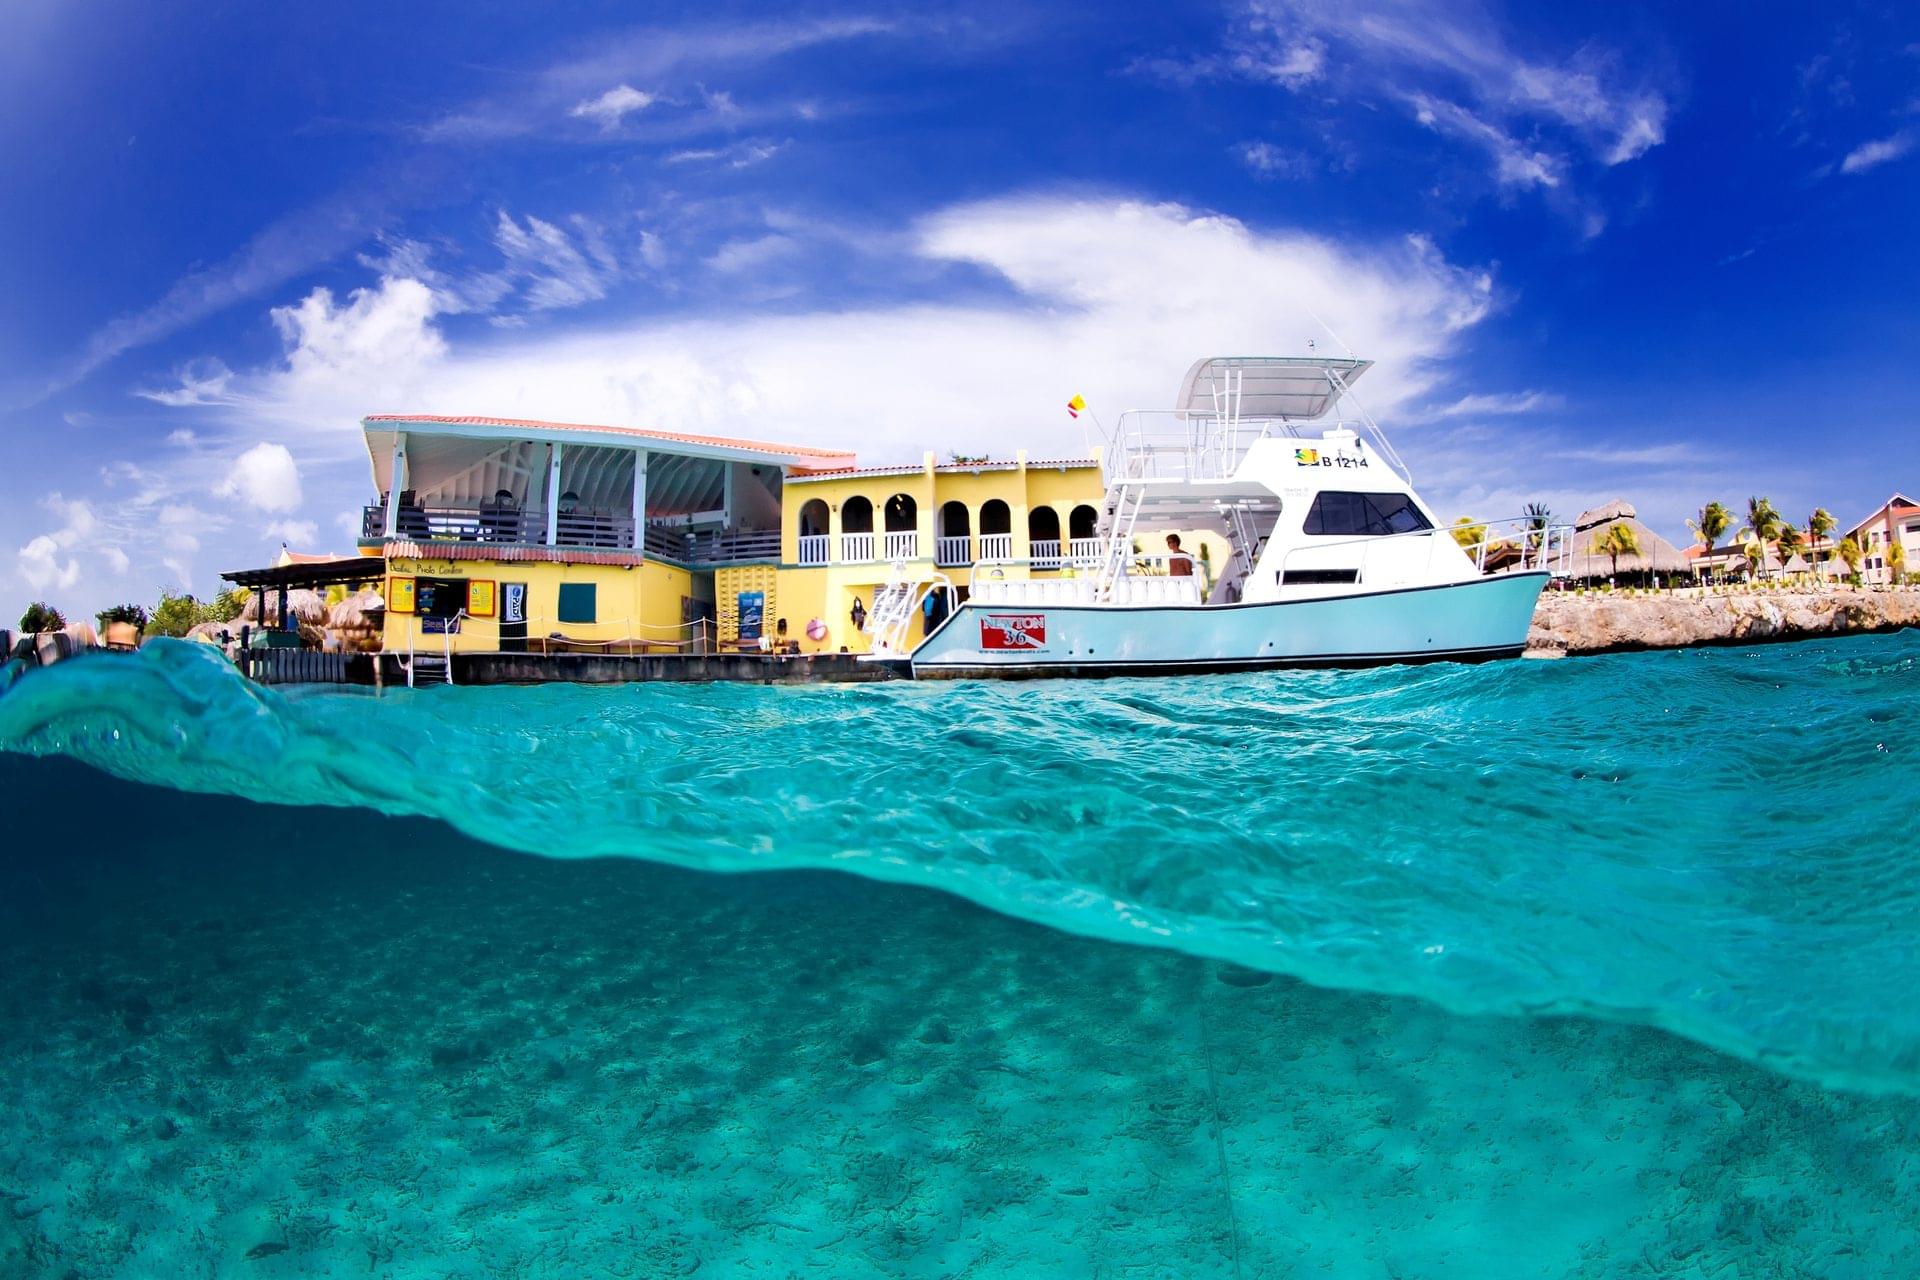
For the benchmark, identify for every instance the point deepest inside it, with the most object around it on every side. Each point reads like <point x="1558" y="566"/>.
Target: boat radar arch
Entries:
<point x="1291" y="388"/>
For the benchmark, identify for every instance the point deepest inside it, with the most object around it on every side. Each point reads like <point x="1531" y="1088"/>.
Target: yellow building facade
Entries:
<point x="845" y="535"/>
<point x="502" y="535"/>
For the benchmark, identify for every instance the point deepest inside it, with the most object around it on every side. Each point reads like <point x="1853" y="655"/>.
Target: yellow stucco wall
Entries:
<point x="828" y="591"/>
<point x="631" y="603"/>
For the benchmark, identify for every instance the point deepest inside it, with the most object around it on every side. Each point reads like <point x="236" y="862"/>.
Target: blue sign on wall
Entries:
<point x="753" y="613"/>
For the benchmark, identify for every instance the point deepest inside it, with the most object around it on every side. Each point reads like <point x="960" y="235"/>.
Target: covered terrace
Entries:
<point x="519" y="483"/>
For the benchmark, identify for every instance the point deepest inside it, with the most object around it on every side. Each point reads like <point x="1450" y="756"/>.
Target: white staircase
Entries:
<point x="1119" y="513"/>
<point x="891" y="616"/>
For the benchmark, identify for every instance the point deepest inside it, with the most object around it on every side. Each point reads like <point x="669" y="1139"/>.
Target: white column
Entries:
<point x="396" y="481"/>
<point x="726" y="496"/>
<point x="639" y="499"/>
<point x="553" y="494"/>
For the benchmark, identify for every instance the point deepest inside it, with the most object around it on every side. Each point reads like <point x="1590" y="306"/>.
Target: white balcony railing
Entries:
<point x="996" y="546"/>
<point x="855" y="548"/>
<point x="948" y="552"/>
<point x="1085" y="551"/>
<point x="904" y="545"/>
<point x="1045" y="553"/>
<point x="814" y="548"/>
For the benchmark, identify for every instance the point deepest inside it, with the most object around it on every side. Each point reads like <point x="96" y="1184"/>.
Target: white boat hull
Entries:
<point x="1474" y="620"/>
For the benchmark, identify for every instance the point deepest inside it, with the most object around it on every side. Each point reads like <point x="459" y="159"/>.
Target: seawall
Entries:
<point x="1608" y="623"/>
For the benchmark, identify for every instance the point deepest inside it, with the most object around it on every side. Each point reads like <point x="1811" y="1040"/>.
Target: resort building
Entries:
<point x="508" y="535"/>
<point x="1896" y="523"/>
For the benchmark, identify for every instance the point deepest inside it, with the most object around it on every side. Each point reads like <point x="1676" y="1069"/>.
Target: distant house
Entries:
<point x="1657" y="555"/>
<point x="1895" y="522"/>
<point x="1730" y="559"/>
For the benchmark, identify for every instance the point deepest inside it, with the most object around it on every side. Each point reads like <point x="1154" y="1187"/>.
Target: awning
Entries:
<point x="1294" y="387"/>
<point x="327" y="573"/>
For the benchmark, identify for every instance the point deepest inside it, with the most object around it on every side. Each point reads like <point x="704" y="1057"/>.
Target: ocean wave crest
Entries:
<point x="1707" y="841"/>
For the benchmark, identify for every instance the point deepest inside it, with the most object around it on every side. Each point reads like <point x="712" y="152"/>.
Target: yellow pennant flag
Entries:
<point x="1075" y="405"/>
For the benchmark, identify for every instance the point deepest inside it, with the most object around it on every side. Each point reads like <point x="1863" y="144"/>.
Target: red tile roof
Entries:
<point x="406" y="549"/>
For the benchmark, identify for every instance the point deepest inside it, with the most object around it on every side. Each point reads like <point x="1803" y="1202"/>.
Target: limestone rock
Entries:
<point x="1568" y="623"/>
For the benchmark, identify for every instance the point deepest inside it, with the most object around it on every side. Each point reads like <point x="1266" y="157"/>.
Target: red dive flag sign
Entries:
<point x="1013" y="631"/>
<point x="1074" y="406"/>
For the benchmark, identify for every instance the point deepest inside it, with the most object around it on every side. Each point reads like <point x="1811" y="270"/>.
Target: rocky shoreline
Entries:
<point x="1567" y="623"/>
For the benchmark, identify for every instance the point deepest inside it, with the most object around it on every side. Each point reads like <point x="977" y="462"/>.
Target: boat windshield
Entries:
<point x="1363" y="514"/>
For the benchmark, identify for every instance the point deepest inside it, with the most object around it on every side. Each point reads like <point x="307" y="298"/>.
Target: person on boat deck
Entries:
<point x="1179" y="563"/>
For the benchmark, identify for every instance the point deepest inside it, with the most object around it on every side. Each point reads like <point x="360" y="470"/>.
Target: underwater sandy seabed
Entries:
<point x="247" y="1041"/>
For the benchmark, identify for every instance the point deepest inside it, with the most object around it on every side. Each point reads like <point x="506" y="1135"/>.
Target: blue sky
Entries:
<point x="1661" y="252"/>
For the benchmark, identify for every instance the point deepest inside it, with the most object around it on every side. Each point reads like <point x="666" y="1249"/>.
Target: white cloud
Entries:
<point x="1292" y="64"/>
<point x="384" y="329"/>
<point x="276" y="254"/>
<point x="557" y="273"/>
<point x="40" y="560"/>
<point x="41" y="566"/>
<point x="182" y="437"/>
<point x="294" y="533"/>
<point x="1456" y="70"/>
<point x="737" y="156"/>
<point x="264" y="477"/>
<point x="750" y="255"/>
<point x="677" y="57"/>
<point x="1110" y="297"/>
<point x="117" y="561"/>
<point x="198" y="382"/>
<point x="1870" y="155"/>
<point x="1514" y="165"/>
<point x="613" y="106"/>
<point x="1497" y="405"/>
<point x="1265" y="160"/>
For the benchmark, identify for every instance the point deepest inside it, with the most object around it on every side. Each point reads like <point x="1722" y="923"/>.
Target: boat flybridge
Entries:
<point x="1332" y="558"/>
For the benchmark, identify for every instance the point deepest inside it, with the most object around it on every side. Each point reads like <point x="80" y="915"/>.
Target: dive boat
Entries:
<point x="1334" y="559"/>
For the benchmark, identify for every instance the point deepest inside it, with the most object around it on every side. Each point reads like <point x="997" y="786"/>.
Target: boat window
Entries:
<point x="1364" y="514"/>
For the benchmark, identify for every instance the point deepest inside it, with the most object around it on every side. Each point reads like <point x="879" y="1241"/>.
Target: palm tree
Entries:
<point x="1619" y="540"/>
<point x="1790" y="542"/>
<point x="1763" y="523"/>
<point x="1819" y="525"/>
<point x="1536" y="518"/>
<point x="1713" y="521"/>
<point x="1850" y="554"/>
<point x="1896" y="561"/>
<point x="1468" y="534"/>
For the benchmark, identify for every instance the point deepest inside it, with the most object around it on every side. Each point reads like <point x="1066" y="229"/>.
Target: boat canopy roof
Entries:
<point x="1296" y="387"/>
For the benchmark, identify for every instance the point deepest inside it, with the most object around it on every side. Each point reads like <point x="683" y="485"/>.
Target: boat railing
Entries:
<point x="1516" y="544"/>
<point x="1175" y="444"/>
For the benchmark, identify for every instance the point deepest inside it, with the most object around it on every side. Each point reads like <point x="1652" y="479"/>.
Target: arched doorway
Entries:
<point x="903" y="525"/>
<point x="856" y="530"/>
<point x="952" y="535"/>
<point x="1083" y="523"/>
<point x="1043" y="537"/>
<point x="996" y="531"/>
<point x="813" y="533"/>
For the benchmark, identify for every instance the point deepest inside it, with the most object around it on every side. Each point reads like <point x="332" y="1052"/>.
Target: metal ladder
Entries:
<point x="1121" y="509"/>
<point x="891" y="615"/>
<point x="431" y="664"/>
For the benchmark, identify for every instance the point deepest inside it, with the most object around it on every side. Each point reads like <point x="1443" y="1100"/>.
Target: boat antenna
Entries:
<point x="1330" y="333"/>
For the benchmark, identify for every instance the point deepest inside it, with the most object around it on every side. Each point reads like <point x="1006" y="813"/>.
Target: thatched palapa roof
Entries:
<point x="1657" y="555"/>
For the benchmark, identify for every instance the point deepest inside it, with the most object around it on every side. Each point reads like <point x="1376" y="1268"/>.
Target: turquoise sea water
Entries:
<point x="1591" y="968"/>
